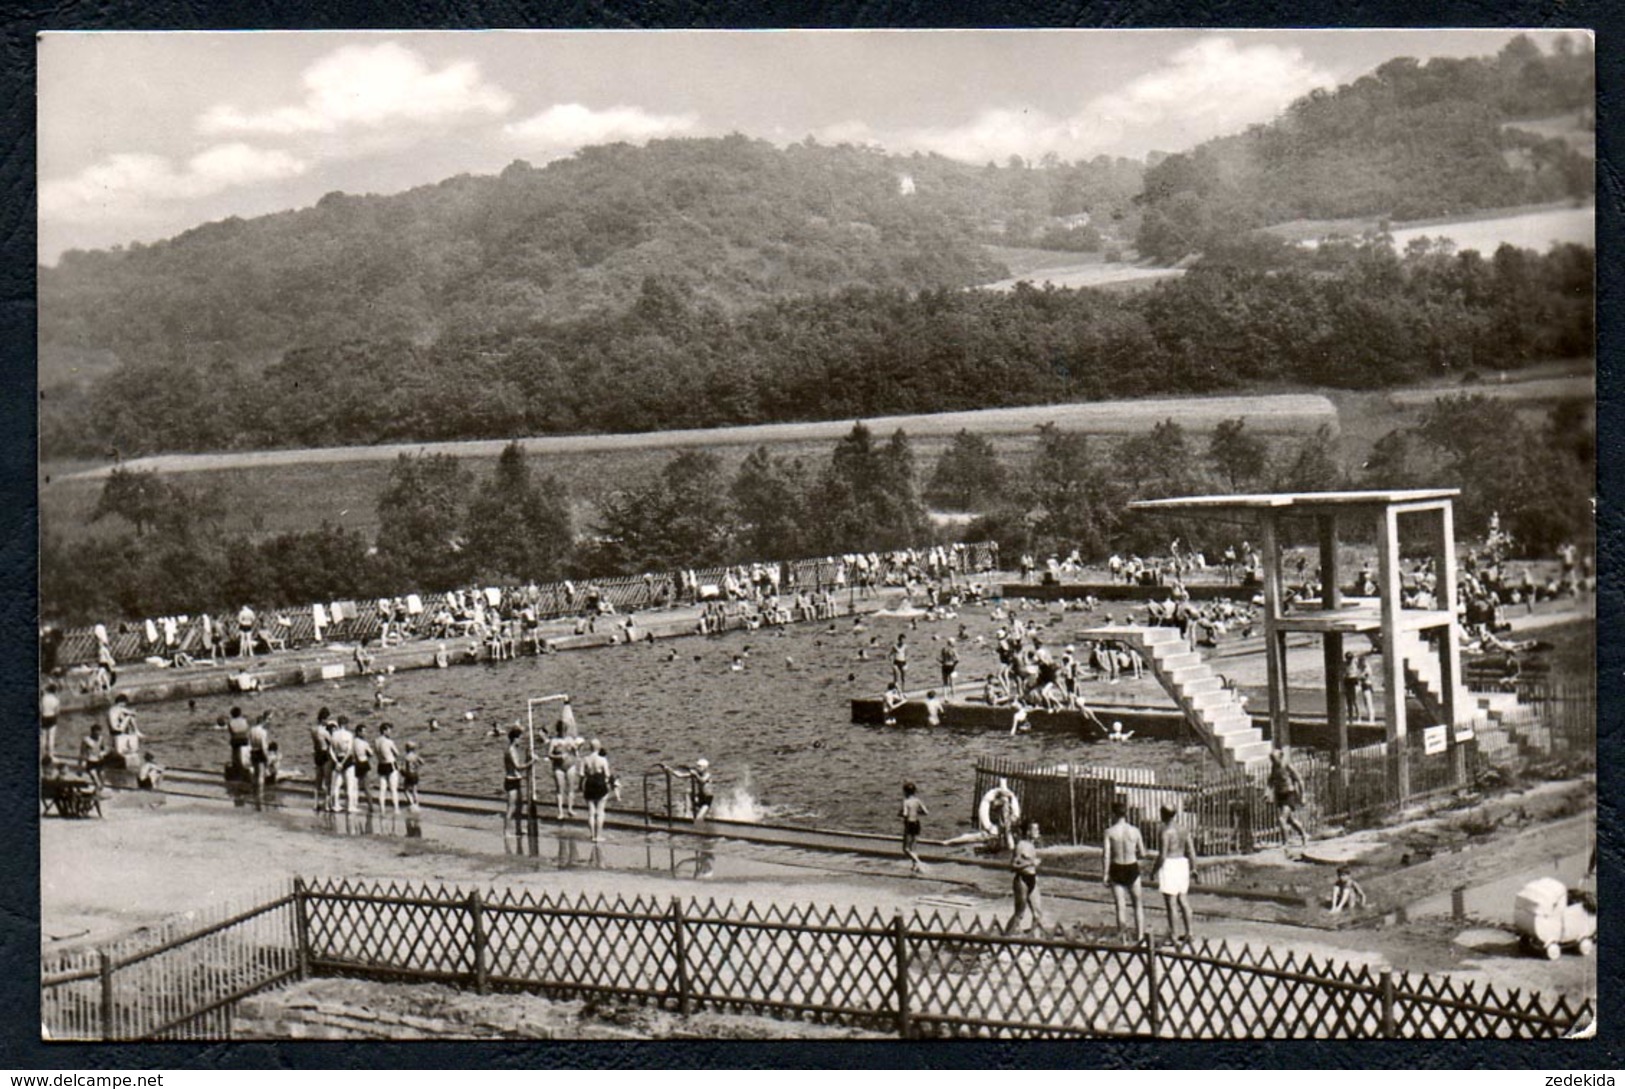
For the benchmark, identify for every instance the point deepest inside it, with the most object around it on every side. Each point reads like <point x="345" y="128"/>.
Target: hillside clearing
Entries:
<point x="1536" y="227"/>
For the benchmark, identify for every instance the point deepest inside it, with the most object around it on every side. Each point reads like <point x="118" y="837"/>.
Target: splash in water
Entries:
<point x="738" y="803"/>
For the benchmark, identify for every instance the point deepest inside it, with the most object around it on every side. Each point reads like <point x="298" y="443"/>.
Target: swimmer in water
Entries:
<point x="738" y="664"/>
<point x="1118" y="733"/>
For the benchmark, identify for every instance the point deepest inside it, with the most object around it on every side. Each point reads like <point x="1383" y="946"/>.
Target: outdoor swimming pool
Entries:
<point x="778" y="734"/>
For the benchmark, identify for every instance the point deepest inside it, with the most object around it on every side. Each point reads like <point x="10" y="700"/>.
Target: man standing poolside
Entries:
<point x="1024" y="879"/>
<point x="50" y="706"/>
<point x="1173" y="870"/>
<point x="321" y="751"/>
<point x="1123" y="851"/>
<point x="913" y="813"/>
<point x="514" y="765"/>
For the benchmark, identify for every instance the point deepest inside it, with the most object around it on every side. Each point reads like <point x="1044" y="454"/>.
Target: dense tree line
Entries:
<point x="1408" y="141"/>
<point x="1353" y="314"/>
<point x="439" y="528"/>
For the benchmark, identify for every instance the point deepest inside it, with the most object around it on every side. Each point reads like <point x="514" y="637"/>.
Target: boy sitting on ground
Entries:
<point x="1346" y="891"/>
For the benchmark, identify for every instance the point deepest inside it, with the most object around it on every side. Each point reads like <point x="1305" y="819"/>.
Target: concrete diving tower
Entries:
<point x="1214" y="712"/>
<point x="1421" y="647"/>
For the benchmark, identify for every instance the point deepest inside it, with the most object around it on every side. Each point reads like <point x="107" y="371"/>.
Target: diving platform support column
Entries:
<point x="1274" y="638"/>
<point x="1393" y="662"/>
<point x="1444" y="544"/>
<point x="1331" y="644"/>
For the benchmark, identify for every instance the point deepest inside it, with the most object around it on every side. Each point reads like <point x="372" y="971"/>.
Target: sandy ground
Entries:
<point x="157" y="857"/>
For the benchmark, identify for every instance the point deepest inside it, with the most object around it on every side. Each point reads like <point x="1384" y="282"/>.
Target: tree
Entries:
<point x="770" y="500"/>
<point x="866" y="497"/>
<point x="1158" y="464"/>
<point x="421" y="522"/>
<point x="1069" y="502"/>
<point x="679" y="519"/>
<point x="1237" y="455"/>
<point x="519" y="528"/>
<point x="968" y="475"/>
<point x="1313" y="466"/>
<point x="137" y="496"/>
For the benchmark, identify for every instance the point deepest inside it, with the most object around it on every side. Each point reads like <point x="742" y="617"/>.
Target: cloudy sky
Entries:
<point x="145" y="135"/>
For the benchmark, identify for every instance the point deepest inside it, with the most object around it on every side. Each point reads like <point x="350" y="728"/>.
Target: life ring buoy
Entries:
<point x="984" y="811"/>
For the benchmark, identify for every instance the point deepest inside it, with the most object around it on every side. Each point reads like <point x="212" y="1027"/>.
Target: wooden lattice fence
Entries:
<point x="919" y="976"/>
<point x="178" y="983"/>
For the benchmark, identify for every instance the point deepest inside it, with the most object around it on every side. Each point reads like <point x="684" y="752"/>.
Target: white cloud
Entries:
<point x="366" y="86"/>
<point x="126" y="185"/>
<point x="1209" y="89"/>
<point x="568" y="126"/>
<point x="1212" y="88"/>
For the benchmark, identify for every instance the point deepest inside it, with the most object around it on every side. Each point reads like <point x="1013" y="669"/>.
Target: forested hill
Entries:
<point x="1408" y="141"/>
<point x="727" y="222"/>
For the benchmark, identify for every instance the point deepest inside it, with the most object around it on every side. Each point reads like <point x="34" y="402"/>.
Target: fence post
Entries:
<point x="104" y="961"/>
<point x="899" y="941"/>
<point x="1153" y="1003"/>
<point x="476" y="912"/>
<point x="1072" y="800"/>
<point x="301" y="926"/>
<point x="1389" y="1028"/>
<point x="679" y="953"/>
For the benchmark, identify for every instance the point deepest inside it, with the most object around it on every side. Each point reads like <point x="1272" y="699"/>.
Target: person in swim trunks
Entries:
<point x="1287" y="787"/>
<point x="1123" y="851"/>
<point x="514" y="765"/>
<point x="50" y="706"/>
<point x="411" y="771"/>
<point x="343" y="765"/>
<point x="237" y="737"/>
<point x="1172" y="873"/>
<point x="595" y="788"/>
<point x="912" y="812"/>
<point x="1024" y="879"/>
<point x="363" y="764"/>
<point x="321" y="746"/>
<point x="259" y="742"/>
<point x="389" y="783"/>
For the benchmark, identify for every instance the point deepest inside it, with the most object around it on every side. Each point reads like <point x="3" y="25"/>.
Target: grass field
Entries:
<point x="276" y="491"/>
<point x="279" y="490"/>
<point x="1066" y="268"/>
<point x="1534" y="227"/>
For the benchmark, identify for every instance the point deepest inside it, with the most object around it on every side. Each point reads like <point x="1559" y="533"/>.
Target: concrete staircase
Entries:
<point x="1212" y="710"/>
<point x="1424" y="677"/>
<point x="1500" y="722"/>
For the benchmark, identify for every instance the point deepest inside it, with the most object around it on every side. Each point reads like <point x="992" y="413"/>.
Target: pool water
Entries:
<point x="778" y="733"/>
